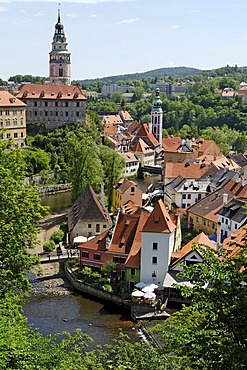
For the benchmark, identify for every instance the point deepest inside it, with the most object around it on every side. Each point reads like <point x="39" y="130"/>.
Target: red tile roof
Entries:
<point x="61" y="92"/>
<point x="9" y="100"/>
<point x="141" y="147"/>
<point x="191" y="171"/>
<point x="159" y="221"/>
<point x="144" y="133"/>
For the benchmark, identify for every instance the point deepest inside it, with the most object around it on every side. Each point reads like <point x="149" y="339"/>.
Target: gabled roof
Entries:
<point x="10" y="101"/>
<point x="124" y="184"/>
<point x="234" y="210"/>
<point x="54" y="92"/>
<point x="238" y="158"/>
<point x="134" y="257"/>
<point x="87" y="207"/>
<point x="171" y="143"/>
<point x="236" y="239"/>
<point x="209" y="206"/>
<point x="159" y="221"/>
<point x="201" y="239"/>
<point x="147" y="136"/>
<point x="133" y="127"/>
<point x="125" y="115"/>
<point x="185" y="170"/>
<point x="141" y="147"/>
<point x="113" y="119"/>
<point x="129" y="157"/>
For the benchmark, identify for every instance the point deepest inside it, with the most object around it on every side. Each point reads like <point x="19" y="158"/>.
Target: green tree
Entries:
<point x="84" y="165"/>
<point x="113" y="165"/>
<point x="20" y="209"/>
<point x="37" y="161"/>
<point x="212" y="332"/>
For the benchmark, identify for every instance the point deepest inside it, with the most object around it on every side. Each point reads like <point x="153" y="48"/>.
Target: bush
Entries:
<point x="49" y="246"/>
<point x="107" y="287"/>
<point x="57" y="236"/>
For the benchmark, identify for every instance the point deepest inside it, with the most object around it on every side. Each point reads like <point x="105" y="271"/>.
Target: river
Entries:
<point x="51" y="315"/>
<point x="59" y="201"/>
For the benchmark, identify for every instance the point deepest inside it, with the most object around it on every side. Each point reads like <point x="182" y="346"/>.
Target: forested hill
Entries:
<point x="172" y="71"/>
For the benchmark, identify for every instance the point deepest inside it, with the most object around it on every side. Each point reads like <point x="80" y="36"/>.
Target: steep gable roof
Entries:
<point x="87" y="207"/>
<point x="159" y="220"/>
<point x="141" y="147"/>
<point x="9" y="100"/>
<point x="147" y="136"/>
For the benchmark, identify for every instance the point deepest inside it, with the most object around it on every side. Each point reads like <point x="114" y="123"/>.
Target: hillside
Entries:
<point x="173" y="71"/>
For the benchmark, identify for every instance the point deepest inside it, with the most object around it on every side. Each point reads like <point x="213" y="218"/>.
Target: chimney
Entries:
<point x="225" y="198"/>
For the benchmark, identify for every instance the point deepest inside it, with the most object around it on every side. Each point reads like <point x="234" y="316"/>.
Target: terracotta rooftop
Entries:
<point x="141" y="147"/>
<point x="9" y="100"/>
<point x="61" y="92"/>
<point x="187" y="171"/>
<point x="159" y="221"/>
<point x="123" y="184"/>
<point x="149" y="138"/>
<point x="113" y="119"/>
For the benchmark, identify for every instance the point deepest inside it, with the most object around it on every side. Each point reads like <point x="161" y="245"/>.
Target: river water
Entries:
<point x="55" y="314"/>
<point x="51" y="315"/>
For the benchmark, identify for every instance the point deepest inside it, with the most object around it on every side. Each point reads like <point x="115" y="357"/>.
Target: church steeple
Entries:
<point x="155" y="126"/>
<point x="59" y="56"/>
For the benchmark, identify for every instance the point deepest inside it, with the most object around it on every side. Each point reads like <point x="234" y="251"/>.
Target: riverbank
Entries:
<point x="50" y="280"/>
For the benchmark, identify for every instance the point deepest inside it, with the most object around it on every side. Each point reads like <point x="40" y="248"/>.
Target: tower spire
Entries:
<point x="59" y="55"/>
<point x="58" y="18"/>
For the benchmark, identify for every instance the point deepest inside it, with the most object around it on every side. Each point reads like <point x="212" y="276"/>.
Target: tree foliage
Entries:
<point x="20" y="209"/>
<point x="212" y="332"/>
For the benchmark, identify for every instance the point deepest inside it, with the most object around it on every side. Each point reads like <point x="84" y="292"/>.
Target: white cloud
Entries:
<point x="128" y="21"/>
<point x="3" y="9"/>
<point x="175" y="26"/>
<point x="69" y="1"/>
<point x="94" y="16"/>
<point x="194" y="11"/>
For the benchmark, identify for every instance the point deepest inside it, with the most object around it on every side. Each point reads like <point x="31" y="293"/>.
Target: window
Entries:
<point x="154" y="260"/>
<point x="116" y="259"/>
<point x="35" y="104"/>
<point x="15" y="135"/>
<point x="132" y="272"/>
<point x="22" y="134"/>
<point x="236" y="226"/>
<point x="66" y="114"/>
<point x="7" y="113"/>
<point x="155" y="246"/>
<point x="77" y="104"/>
<point x="184" y="196"/>
<point x="104" y="226"/>
<point x="14" y="112"/>
<point x="35" y="113"/>
<point x="97" y="257"/>
<point x="46" y="104"/>
<point x="56" y="113"/>
<point x="66" y="104"/>
<point x="199" y="196"/>
<point x="56" y="104"/>
<point x="85" y="254"/>
<point x="77" y="114"/>
<point x="89" y="226"/>
<point x="8" y="135"/>
<point x="189" y="196"/>
<point x="132" y="189"/>
<point x="7" y="123"/>
<point x="122" y="260"/>
<point x="97" y="228"/>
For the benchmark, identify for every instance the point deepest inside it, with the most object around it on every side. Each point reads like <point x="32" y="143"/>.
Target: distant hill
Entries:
<point x="160" y="72"/>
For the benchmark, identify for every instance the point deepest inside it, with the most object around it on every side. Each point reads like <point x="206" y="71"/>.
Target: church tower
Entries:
<point x="155" y="126"/>
<point x="59" y="57"/>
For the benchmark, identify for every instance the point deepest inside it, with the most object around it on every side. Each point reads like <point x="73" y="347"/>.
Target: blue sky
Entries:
<point x="110" y="37"/>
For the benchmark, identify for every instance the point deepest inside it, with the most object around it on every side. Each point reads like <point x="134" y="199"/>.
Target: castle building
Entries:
<point x="57" y="103"/>
<point x="13" y="118"/>
<point x="155" y="126"/>
<point x="59" y="64"/>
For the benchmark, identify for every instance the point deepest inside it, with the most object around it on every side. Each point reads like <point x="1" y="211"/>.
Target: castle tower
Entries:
<point x="155" y="126"/>
<point x="59" y="57"/>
